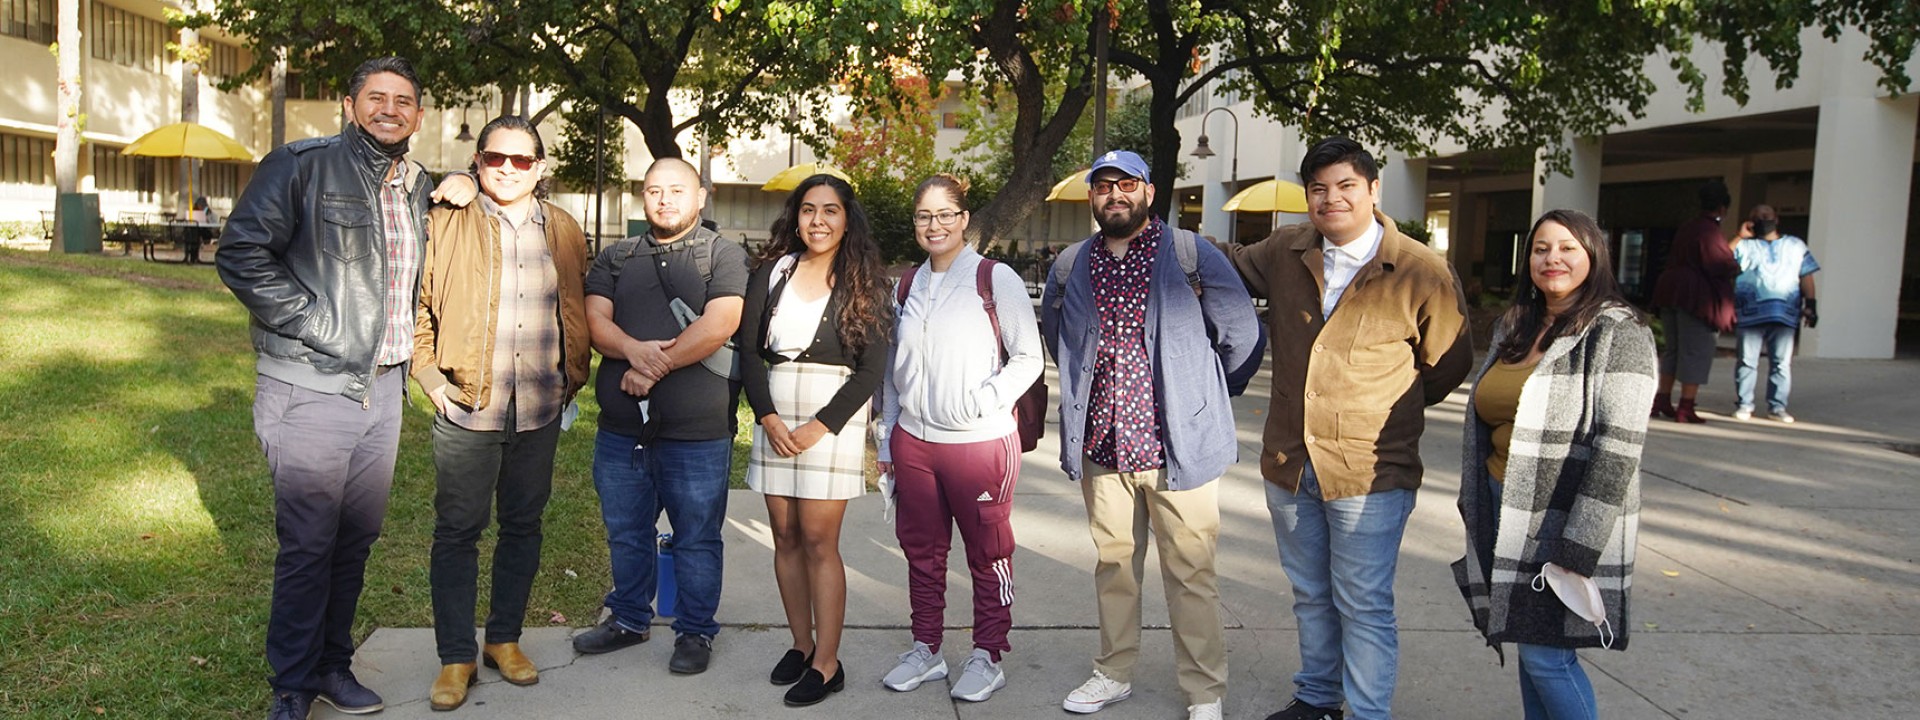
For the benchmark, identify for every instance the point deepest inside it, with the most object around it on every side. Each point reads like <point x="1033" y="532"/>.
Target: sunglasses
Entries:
<point x="1125" y="185"/>
<point x="520" y="162"/>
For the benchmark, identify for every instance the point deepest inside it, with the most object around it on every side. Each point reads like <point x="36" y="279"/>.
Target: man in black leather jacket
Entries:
<point x="324" y="249"/>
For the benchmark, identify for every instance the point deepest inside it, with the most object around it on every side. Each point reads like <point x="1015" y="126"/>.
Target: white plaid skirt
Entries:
<point x="834" y="468"/>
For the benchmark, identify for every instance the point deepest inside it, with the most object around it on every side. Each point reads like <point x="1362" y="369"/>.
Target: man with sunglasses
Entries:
<point x="1149" y="350"/>
<point x="323" y="248"/>
<point x="501" y="348"/>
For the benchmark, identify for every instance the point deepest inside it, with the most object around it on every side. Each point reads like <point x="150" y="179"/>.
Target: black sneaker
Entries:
<point x="345" y="693"/>
<point x="607" y="637"/>
<point x="1300" y="710"/>
<point x="291" y="706"/>
<point x="690" y="654"/>
<point x="814" y="687"/>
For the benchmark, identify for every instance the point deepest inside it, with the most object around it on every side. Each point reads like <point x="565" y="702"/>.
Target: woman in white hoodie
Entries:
<point x="949" y="436"/>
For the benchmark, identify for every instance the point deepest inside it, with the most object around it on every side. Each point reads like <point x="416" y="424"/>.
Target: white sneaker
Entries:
<point x="1209" y="711"/>
<point x="979" y="678"/>
<point x="916" y="666"/>
<point x="1782" y="416"/>
<point x="1743" y="414"/>
<point x="1097" y="692"/>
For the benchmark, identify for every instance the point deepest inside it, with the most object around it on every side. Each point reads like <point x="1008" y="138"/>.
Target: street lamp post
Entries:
<point x="1203" y="151"/>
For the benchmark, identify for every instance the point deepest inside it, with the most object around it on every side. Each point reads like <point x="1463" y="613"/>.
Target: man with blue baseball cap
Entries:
<point x="1145" y="426"/>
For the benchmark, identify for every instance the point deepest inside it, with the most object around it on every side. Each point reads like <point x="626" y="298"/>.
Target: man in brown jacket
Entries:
<point x="500" y="346"/>
<point x="1368" y="327"/>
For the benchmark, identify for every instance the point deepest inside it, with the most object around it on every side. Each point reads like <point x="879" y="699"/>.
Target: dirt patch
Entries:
<point x="127" y="275"/>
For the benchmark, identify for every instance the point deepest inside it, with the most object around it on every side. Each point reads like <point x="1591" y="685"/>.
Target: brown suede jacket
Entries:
<point x="1350" y="392"/>
<point x="460" y="295"/>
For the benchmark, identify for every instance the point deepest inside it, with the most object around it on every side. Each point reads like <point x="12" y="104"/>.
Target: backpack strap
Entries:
<point x="1183" y="249"/>
<point x="1062" y="271"/>
<point x="905" y="285"/>
<point x="983" y="285"/>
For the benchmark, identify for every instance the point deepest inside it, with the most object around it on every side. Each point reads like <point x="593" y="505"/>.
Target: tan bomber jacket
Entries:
<point x="460" y="294"/>
<point x="1350" y="393"/>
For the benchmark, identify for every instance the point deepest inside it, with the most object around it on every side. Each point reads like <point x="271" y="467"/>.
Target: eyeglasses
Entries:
<point x="944" y="217"/>
<point x="520" y="162"/>
<point x="1125" y="185"/>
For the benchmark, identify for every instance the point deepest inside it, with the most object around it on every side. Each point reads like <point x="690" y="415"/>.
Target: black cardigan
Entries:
<point x="869" y="367"/>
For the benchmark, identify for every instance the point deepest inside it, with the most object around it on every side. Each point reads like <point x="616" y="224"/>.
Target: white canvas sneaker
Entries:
<point x="1097" y="692"/>
<point x="979" y="678"/>
<point x="1209" y="711"/>
<point x="916" y="666"/>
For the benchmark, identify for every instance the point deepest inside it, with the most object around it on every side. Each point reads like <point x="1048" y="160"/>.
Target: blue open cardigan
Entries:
<point x="1572" y="489"/>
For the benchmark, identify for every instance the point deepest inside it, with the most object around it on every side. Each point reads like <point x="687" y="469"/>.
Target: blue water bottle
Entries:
<point x="667" y="587"/>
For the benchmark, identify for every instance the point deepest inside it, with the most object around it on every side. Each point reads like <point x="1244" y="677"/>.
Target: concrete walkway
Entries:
<point x="1777" y="578"/>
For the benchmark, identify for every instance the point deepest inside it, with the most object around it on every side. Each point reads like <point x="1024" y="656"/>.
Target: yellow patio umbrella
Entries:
<point x="188" y="140"/>
<point x="1071" y="190"/>
<point x="1269" y="197"/>
<point x="788" y="179"/>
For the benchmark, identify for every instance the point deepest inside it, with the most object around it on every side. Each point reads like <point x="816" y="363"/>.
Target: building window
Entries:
<point x="300" y="86"/>
<point x="117" y="172"/>
<point x="124" y="38"/>
<point x="31" y="20"/>
<point x="223" y="60"/>
<point x="26" y="160"/>
<point x="950" y="121"/>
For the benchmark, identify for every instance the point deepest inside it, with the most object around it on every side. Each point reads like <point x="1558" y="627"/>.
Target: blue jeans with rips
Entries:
<point x="1777" y="340"/>
<point x="1341" y="556"/>
<point x="688" y="480"/>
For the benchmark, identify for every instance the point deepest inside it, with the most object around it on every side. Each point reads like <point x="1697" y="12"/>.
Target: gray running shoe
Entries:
<point x="916" y="666"/>
<point x="979" y="678"/>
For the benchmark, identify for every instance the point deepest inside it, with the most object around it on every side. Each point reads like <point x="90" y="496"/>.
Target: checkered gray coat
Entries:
<point x="1572" y="490"/>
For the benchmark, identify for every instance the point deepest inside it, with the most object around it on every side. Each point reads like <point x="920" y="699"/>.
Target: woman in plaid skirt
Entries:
<point x="819" y="316"/>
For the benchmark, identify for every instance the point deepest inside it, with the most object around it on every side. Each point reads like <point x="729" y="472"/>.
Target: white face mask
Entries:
<point x="1580" y="594"/>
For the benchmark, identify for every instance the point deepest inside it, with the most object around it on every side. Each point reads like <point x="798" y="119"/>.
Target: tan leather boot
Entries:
<point x="513" y="665"/>
<point x="450" y="689"/>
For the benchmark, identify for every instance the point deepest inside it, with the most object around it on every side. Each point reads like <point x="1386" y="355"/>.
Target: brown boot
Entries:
<point x="450" y="689"/>
<point x="1685" y="413"/>
<point x="1662" y="405"/>
<point x="513" y="665"/>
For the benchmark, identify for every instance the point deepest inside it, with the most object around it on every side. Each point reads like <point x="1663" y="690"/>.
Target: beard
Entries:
<point x="1129" y="220"/>
<point x="680" y="225"/>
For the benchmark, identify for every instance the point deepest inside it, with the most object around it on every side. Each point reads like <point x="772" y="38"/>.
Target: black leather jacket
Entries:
<point x="304" y="250"/>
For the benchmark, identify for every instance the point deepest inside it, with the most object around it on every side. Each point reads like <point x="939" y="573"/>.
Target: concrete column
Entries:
<point x="1862" y="171"/>
<point x="1218" y="186"/>
<point x="1580" y="191"/>
<point x="1403" y="189"/>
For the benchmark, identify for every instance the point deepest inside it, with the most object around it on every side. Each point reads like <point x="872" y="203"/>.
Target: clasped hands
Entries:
<point x="788" y="443"/>
<point x="650" y="363"/>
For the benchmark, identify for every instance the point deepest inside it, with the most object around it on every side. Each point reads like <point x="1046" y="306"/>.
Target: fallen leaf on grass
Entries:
<point x="571" y="574"/>
<point x="557" y="619"/>
<point x="398" y="591"/>
<point x="146" y="536"/>
<point x="197" y="660"/>
<point x="1670" y="573"/>
<point x="97" y="710"/>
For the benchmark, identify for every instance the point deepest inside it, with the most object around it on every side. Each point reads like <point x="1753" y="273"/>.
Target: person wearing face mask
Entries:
<point x="818" y="321"/>
<point x="1771" y="298"/>
<point x="500" y="347"/>
<point x="1369" y="328"/>
<point x="323" y="249"/>
<point x="1550" y="483"/>
<point x="949" y="437"/>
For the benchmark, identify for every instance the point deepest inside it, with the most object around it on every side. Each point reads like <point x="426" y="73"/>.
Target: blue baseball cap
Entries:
<point x="1126" y="161"/>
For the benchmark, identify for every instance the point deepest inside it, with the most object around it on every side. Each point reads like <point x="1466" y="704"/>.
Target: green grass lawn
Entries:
<point x="137" y="548"/>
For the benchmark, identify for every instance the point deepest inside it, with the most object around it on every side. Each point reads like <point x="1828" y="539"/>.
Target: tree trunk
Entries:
<point x="1166" y="142"/>
<point x="189" y="112"/>
<point x="278" y="89"/>
<point x="66" y="147"/>
<point x="1036" y="135"/>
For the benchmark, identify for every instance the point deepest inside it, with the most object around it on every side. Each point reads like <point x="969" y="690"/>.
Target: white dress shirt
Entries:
<point x="1341" y="262"/>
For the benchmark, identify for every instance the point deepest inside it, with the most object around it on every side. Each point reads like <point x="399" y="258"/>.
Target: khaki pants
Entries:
<point x="1186" y="529"/>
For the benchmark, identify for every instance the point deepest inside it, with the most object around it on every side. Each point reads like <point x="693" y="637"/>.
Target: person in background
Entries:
<point x="1695" y="297"/>
<point x="817" y="320"/>
<point x="949" y="437"/>
<point x="500" y="348"/>
<point x="1550" y="485"/>
<point x="1771" y="298"/>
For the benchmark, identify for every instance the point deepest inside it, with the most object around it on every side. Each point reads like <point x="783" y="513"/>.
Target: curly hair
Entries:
<point x="857" y="276"/>
<point x="1522" y="322"/>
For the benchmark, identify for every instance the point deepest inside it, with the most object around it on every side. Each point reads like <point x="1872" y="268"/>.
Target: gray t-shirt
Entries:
<point x="690" y="403"/>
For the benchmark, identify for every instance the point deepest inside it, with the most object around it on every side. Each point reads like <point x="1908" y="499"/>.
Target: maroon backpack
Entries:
<point x="1031" y="409"/>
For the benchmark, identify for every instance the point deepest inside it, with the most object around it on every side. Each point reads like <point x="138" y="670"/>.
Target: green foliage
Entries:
<point x="574" y="157"/>
<point x="888" y="149"/>
<point x="1415" y="229"/>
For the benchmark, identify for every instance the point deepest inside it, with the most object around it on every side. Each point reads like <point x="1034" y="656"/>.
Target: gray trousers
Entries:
<point x="332" y="463"/>
<point x="474" y="471"/>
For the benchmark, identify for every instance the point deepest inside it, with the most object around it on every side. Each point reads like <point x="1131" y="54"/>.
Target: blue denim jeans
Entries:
<point x="1340" y="557"/>
<point x="687" y="479"/>
<point x="1553" y="686"/>
<point x="1777" y="340"/>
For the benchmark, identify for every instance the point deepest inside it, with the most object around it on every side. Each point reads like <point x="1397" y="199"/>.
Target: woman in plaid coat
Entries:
<point x="1551" y="474"/>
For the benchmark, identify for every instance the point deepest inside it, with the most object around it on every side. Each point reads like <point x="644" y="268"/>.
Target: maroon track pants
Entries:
<point x="938" y="486"/>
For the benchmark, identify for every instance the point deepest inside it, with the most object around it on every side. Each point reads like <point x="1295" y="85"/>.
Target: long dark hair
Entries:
<point x="1521" y="322"/>
<point x="857" y="275"/>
